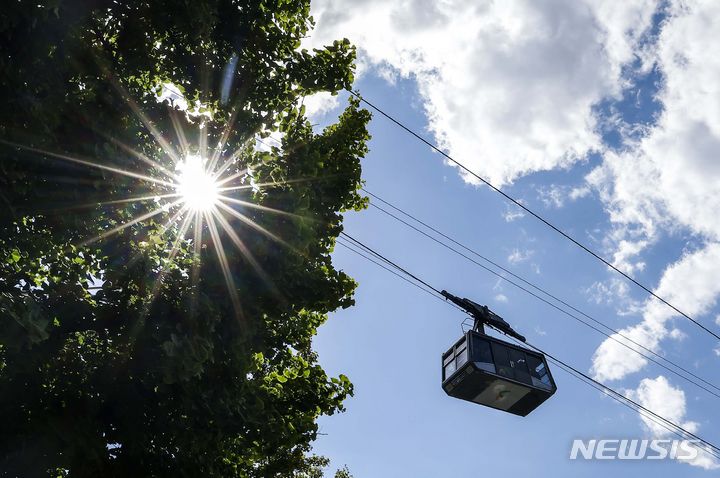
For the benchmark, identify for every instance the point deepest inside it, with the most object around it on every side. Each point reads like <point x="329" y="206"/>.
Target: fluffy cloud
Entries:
<point x="319" y="104"/>
<point x="659" y="396"/>
<point x="555" y="196"/>
<point x="611" y="291"/>
<point x="508" y="87"/>
<point x="513" y="213"/>
<point x="626" y="250"/>
<point x="670" y="176"/>
<point x="517" y="256"/>
<point x="692" y="284"/>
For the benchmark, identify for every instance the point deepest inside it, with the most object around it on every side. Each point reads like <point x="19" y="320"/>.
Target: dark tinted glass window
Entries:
<point x="461" y="358"/>
<point x="449" y="369"/>
<point x="538" y="372"/>
<point x="519" y="365"/>
<point x="502" y="361"/>
<point x="481" y="350"/>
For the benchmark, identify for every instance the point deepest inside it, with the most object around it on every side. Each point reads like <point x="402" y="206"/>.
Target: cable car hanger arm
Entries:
<point x="483" y="315"/>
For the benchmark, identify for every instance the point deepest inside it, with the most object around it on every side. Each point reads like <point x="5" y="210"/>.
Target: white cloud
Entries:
<point x="512" y="213"/>
<point x="677" y="334"/>
<point x="498" y="286"/>
<point x="508" y="87"/>
<point x="611" y="291"/>
<point x="625" y="250"/>
<point x="319" y="104"/>
<point x="612" y="361"/>
<point x="517" y="256"/>
<point x="692" y="284"/>
<point x="552" y="196"/>
<point x="501" y="298"/>
<point x="670" y="176"/>
<point x="556" y="196"/>
<point x="660" y="397"/>
<point x="669" y="402"/>
<point x="579" y="192"/>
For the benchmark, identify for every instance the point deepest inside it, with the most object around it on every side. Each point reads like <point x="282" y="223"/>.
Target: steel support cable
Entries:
<point x="385" y="259"/>
<point x="546" y="293"/>
<point x="534" y="286"/>
<point x="533" y="213"/>
<point x="658" y="419"/>
<point x="348" y="245"/>
<point x="640" y="409"/>
<point x="622" y="399"/>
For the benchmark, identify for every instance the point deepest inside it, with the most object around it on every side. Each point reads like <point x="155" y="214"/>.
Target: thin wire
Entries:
<point x="372" y="251"/>
<point x="533" y="213"/>
<point x="409" y="281"/>
<point x="586" y="379"/>
<point x="641" y="410"/>
<point x="538" y="288"/>
<point x="548" y="294"/>
<point x="628" y="405"/>
<point x="620" y="396"/>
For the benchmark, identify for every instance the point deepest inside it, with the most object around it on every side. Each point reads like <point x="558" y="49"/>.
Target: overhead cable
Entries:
<point x="532" y="213"/>
<point x="708" y="447"/>
<point x="658" y="358"/>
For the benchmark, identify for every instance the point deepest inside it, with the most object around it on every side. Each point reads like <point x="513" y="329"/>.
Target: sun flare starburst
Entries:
<point x="196" y="185"/>
<point x="203" y="195"/>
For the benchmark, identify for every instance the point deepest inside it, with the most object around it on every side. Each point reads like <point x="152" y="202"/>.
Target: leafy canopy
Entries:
<point x="129" y="346"/>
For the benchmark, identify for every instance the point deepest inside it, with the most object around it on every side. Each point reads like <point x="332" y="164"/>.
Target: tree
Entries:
<point x="343" y="473"/>
<point x="142" y="338"/>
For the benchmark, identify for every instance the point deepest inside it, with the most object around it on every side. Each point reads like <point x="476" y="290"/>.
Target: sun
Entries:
<point x="196" y="185"/>
<point x="200" y="195"/>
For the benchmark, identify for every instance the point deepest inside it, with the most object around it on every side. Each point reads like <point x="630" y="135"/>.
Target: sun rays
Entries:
<point x="196" y="184"/>
<point x="194" y="194"/>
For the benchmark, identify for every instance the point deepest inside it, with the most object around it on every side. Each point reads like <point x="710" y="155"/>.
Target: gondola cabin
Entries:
<point x="485" y="370"/>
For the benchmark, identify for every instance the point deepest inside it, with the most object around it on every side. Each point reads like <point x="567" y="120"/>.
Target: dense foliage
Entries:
<point x="156" y="372"/>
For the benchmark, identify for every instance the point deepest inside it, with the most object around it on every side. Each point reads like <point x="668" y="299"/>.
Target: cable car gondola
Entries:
<point x="488" y="371"/>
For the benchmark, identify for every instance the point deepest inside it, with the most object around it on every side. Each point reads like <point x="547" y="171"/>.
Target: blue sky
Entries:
<point x="605" y="185"/>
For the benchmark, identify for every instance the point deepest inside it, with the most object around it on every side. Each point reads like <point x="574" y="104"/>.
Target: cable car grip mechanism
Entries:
<point x="482" y="316"/>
